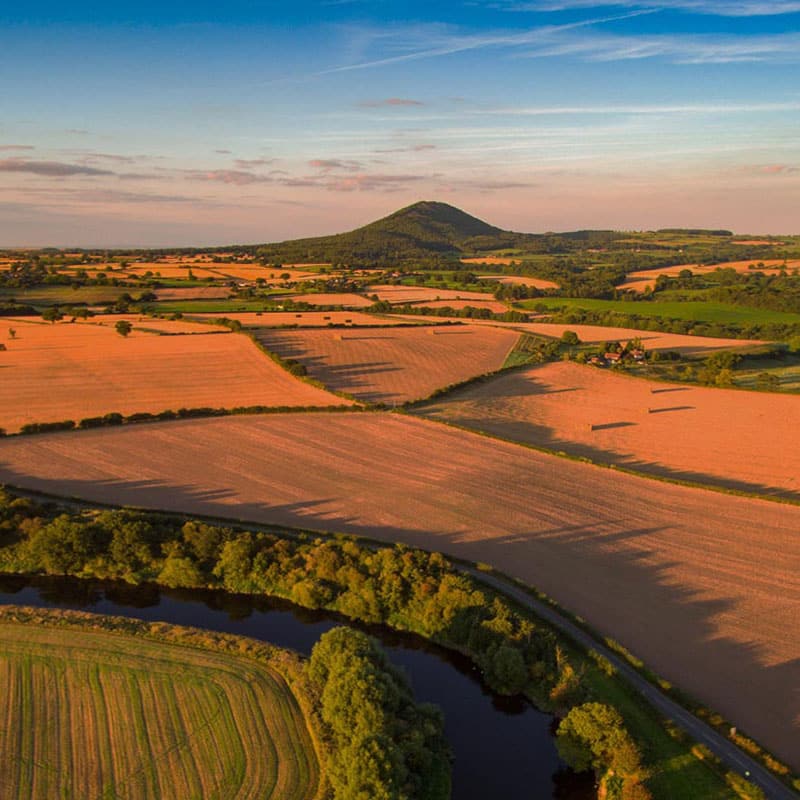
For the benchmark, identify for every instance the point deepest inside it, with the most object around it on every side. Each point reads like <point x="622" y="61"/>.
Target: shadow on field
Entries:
<point x="506" y="425"/>
<point x="350" y="378"/>
<point x="542" y="436"/>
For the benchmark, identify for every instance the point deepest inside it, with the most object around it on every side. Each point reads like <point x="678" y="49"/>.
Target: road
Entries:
<point x="733" y="758"/>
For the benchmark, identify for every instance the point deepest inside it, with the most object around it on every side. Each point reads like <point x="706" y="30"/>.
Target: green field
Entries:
<point x="690" y="311"/>
<point x="95" y="712"/>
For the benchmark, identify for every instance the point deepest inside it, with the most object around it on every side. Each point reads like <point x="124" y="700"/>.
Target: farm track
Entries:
<point x="684" y="578"/>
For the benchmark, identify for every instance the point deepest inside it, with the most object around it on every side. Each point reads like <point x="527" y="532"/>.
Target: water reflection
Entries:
<point x="503" y="747"/>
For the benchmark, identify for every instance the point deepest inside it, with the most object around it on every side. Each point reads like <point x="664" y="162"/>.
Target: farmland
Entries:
<point x="393" y="365"/>
<point x="697" y="311"/>
<point x="700" y="568"/>
<point x="347" y="300"/>
<point x="100" y="713"/>
<point x="399" y="295"/>
<point x="494" y="306"/>
<point x="303" y="319"/>
<point x="518" y="280"/>
<point x="639" y="280"/>
<point x="71" y="371"/>
<point x="687" y="432"/>
<point x="598" y="334"/>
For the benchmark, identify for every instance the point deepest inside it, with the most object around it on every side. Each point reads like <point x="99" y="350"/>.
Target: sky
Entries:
<point x="196" y="123"/>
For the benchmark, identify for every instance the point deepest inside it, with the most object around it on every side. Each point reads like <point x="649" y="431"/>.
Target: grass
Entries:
<point x="787" y="371"/>
<point x="689" y="311"/>
<point x="101" y="708"/>
<point x="674" y="770"/>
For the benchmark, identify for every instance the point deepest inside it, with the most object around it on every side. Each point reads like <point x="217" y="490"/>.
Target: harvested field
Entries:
<point x="171" y="270"/>
<point x="495" y="306"/>
<point x="71" y="371"/>
<point x="385" y="365"/>
<point x="88" y="711"/>
<point x="144" y="323"/>
<point x="344" y="299"/>
<point x="519" y="280"/>
<point x="640" y="280"/>
<point x="741" y="440"/>
<point x="193" y="293"/>
<point x="596" y="334"/>
<point x="702" y="585"/>
<point x="422" y="294"/>
<point x="494" y="260"/>
<point x="313" y="319"/>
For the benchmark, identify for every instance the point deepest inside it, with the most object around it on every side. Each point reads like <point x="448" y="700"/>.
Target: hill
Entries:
<point x="423" y="230"/>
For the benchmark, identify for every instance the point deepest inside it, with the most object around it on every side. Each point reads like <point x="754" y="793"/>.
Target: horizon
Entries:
<point x="224" y="245"/>
<point x="142" y="126"/>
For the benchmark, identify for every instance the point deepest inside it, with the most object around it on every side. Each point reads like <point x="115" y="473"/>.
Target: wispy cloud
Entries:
<point x="17" y="147"/>
<point x="391" y="102"/>
<point x="678" y="49"/>
<point x="434" y="41"/>
<point x="246" y="164"/>
<point x="236" y="177"/>
<point x="329" y="164"/>
<point x="722" y="8"/>
<point x="775" y="169"/>
<point x="689" y="108"/>
<point x="416" y="148"/>
<point x="54" y="169"/>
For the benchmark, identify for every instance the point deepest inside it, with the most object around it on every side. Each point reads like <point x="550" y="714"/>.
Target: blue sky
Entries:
<point x="197" y="123"/>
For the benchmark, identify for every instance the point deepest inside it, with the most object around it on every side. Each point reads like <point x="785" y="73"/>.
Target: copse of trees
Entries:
<point x="592" y="736"/>
<point x="384" y="746"/>
<point x="407" y="589"/>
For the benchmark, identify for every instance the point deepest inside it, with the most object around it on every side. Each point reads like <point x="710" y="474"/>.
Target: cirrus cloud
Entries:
<point x="53" y="169"/>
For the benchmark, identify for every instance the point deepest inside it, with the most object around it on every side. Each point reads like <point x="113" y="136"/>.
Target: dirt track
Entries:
<point x="704" y="586"/>
<point x="745" y="440"/>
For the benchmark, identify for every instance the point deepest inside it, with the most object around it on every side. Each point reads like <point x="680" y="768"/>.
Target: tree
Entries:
<point x="123" y="327"/>
<point x="570" y="338"/>
<point x="594" y="735"/>
<point x="52" y="314"/>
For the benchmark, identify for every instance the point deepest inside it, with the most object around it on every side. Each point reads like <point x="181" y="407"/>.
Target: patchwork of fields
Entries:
<point x="95" y="714"/>
<point x="685" y="578"/>
<point x="639" y="280"/>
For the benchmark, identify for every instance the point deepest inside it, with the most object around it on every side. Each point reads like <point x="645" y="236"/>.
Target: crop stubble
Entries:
<point x="92" y="712"/>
